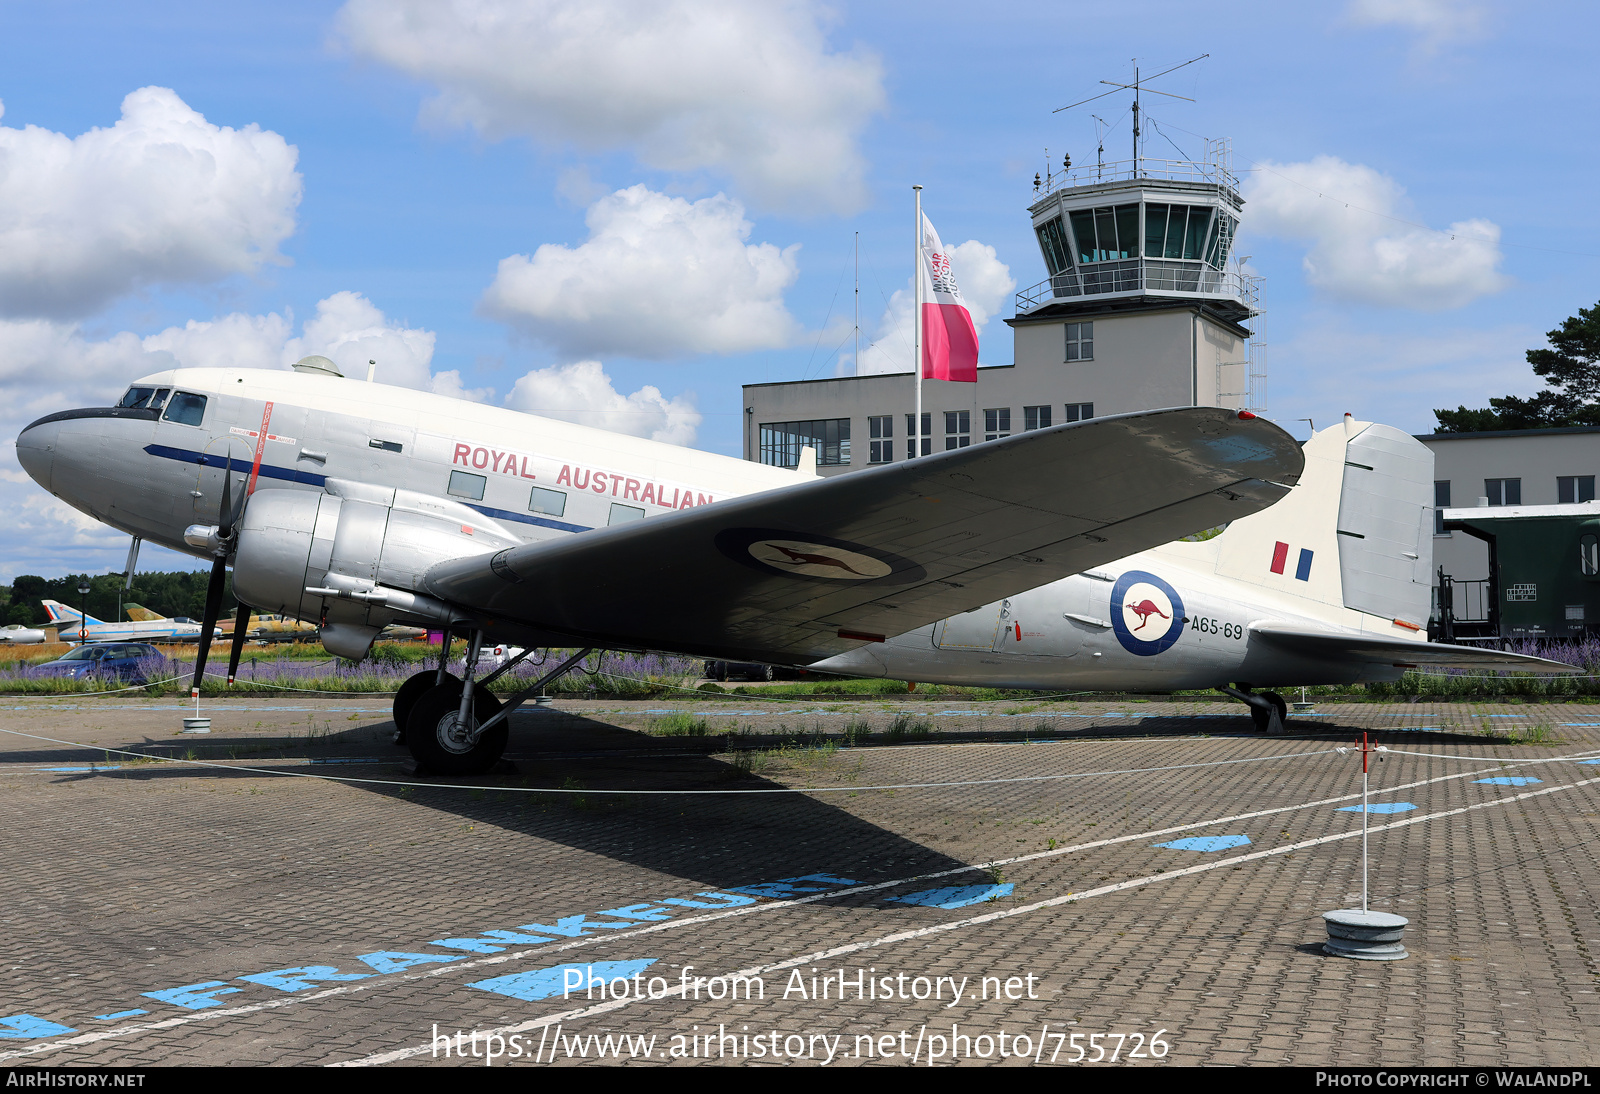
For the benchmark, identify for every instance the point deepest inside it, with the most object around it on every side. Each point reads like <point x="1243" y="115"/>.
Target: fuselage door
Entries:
<point x="974" y="630"/>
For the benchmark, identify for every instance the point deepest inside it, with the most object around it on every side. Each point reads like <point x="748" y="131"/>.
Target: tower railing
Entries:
<point x="1145" y="167"/>
<point x="1142" y="275"/>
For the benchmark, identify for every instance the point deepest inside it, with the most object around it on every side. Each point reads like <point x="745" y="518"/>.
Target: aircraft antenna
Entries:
<point x="372" y="370"/>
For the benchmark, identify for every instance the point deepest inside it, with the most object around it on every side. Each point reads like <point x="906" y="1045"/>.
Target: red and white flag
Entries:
<point x="949" y="340"/>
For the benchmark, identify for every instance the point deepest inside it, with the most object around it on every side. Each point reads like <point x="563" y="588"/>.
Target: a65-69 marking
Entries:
<point x="1091" y="1048"/>
<point x="1210" y="626"/>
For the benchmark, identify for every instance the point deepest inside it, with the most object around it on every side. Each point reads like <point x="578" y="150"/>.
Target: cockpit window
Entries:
<point x="159" y="398"/>
<point x="186" y="409"/>
<point x="136" y="397"/>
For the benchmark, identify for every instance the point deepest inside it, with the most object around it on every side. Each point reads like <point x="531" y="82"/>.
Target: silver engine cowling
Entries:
<point x="353" y="558"/>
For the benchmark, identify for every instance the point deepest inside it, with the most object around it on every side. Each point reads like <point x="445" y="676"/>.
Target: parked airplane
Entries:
<point x="1332" y="585"/>
<point x="70" y="626"/>
<point x="260" y="628"/>
<point x="15" y="634"/>
<point x="359" y="505"/>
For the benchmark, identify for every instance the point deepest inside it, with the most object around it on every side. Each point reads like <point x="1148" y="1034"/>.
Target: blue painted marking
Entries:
<point x="1302" y="572"/>
<point x="1381" y="807"/>
<point x="546" y="983"/>
<point x="81" y="770"/>
<point x="186" y="455"/>
<point x="317" y="761"/>
<point x="1589" y="761"/>
<point x="957" y="897"/>
<point x="1510" y="780"/>
<point x="303" y="978"/>
<point x="727" y="900"/>
<point x="26" y="1025"/>
<point x="1414" y="729"/>
<point x="193" y="996"/>
<point x="1579" y="725"/>
<point x="528" y="518"/>
<point x="386" y="961"/>
<point x="120" y="1014"/>
<point x="1508" y="716"/>
<point x="1205" y="843"/>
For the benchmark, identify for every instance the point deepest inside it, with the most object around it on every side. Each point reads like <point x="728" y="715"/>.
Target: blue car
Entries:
<point x="127" y="661"/>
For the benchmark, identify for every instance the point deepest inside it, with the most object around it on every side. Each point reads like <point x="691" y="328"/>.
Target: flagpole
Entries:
<point x="916" y="347"/>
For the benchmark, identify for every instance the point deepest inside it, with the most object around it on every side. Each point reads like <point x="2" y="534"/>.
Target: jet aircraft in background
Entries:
<point x="15" y="634"/>
<point x="69" y="624"/>
<point x="358" y="505"/>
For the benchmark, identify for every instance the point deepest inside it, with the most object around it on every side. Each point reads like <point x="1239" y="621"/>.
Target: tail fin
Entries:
<point x="1354" y="536"/>
<point x="141" y="614"/>
<point x="60" y="613"/>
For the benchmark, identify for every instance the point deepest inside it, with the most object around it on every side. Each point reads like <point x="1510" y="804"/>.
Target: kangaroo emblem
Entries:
<point x="1144" y="610"/>
<point x="801" y="558"/>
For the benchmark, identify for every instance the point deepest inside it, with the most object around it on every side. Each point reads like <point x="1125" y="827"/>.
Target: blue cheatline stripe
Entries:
<point x="1302" y="571"/>
<point x="185" y="455"/>
<point x="289" y="474"/>
<point x="525" y="518"/>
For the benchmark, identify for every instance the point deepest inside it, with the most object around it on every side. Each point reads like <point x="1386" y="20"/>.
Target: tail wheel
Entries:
<point x="411" y="691"/>
<point x="443" y="746"/>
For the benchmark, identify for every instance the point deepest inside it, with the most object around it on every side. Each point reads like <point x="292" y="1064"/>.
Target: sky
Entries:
<point x="617" y="212"/>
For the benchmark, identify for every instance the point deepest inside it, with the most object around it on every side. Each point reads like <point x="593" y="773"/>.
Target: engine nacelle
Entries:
<point x="363" y="549"/>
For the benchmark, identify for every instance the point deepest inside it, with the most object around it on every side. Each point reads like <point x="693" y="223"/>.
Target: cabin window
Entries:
<point x="622" y="514"/>
<point x="186" y="409"/>
<point x="552" y="503"/>
<point x="463" y="485"/>
<point x="1589" y="555"/>
<point x="136" y="398"/>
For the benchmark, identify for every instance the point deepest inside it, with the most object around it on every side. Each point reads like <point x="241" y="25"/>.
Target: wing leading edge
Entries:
<point x="809" y="571"/>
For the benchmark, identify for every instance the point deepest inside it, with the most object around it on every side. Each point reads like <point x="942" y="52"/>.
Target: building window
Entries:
<point x="957" y="429"/>
<point x="1079" y="412"/>
<point x="1080" y="341"/>
<point x="1441" y="502"/>
<point x="880" y="447"/>
<point x="1503" y="491"/>
<point x="1574" y="488"/>
<point x="552" y="503"/>
<point x="1035" y="417"/>
<point x="622" y="514"/>
<point x="463" y="485"/>
<point x="997" y="423"/>
<point x="781" y="442"/>
<point x="911" y="436"/>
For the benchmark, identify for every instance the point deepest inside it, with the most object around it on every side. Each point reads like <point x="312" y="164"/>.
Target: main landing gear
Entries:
<point x="456" y="727"/>
<point x="1267" y="708"/>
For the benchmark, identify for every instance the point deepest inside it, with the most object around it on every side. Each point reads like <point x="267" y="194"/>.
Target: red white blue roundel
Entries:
<point x="1146" y="613"/>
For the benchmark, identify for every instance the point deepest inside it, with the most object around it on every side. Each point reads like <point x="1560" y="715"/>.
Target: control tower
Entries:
<point x="1146" y="238"/>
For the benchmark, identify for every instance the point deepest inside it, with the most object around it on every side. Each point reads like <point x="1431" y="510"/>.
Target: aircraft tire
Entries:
<point x="431" y="725"/>
<point x="411" y="691"/>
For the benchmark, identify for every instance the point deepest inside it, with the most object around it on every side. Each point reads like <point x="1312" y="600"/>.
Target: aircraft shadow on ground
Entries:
<point x="712" y="840"/>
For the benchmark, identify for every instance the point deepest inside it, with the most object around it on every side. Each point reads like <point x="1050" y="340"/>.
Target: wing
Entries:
<point x="1331" y="649"/>
<point x="805" y="572"/>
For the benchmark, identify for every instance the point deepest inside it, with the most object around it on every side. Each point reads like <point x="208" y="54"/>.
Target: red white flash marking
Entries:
<point x="261" y="444"/>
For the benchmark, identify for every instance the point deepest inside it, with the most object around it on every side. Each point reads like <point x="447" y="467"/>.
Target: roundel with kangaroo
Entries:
<point x="1146" y="613"/>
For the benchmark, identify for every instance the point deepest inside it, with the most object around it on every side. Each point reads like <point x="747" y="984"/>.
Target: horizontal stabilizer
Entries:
<point x="800" y="573"/>
<point x="1333" y="649"/>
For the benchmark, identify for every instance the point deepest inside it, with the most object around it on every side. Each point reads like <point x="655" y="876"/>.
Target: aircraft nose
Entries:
<point x="36" y="449"/>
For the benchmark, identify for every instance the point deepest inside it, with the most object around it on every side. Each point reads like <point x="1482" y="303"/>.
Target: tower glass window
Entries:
<point x="1107" y="234"/>
<point x="1053" y="242"/>
<point x="996" y="423"/>
<point x="880" y="443"/>
<point x="957" y="429"/>
<point x="1080" y="341"/>
<point x="781" y="442"/>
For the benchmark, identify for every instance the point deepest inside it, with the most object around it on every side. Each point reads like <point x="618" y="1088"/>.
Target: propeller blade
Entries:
<point x="241" y="624"/>
<point x="225" y="510"/>
<point x="208" y="623"/>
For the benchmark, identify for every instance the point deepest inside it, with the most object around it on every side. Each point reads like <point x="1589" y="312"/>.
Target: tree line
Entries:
<point x="169" y="594"/>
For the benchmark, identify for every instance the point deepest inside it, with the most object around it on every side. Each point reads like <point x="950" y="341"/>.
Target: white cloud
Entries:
<point x="161" y="197"/>
<point x="1360" y="249"/>
<point x="1436" y="22"/>
<point x="658" y="277"/>
<point x="986" y="285"/>
<point x="582" y="393"/>
<point x="747" y="89"/>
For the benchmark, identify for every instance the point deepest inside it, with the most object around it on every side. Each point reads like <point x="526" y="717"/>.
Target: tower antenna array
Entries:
<point x="1136" y="87"/>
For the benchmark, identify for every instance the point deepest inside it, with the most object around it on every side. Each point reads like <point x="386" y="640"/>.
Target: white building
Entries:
<point x="1144" y="307"/>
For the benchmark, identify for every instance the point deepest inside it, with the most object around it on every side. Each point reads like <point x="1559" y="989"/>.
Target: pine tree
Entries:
<point x="1571" y="367"/>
